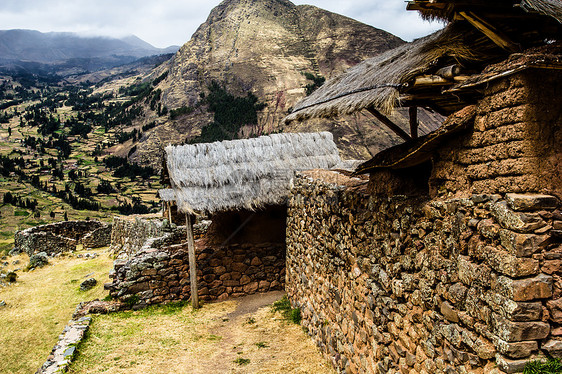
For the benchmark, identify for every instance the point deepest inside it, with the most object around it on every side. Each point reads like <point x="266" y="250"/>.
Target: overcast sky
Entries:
<point x="172" y="22"/>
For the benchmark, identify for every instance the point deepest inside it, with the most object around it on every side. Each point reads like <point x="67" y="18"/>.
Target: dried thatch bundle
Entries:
<point x="551" y="8"/>
<point x="167" y="194"/>
<point x="245" y="173"/>
<point x="446" y="10"/>
<point x="376" y="81"/>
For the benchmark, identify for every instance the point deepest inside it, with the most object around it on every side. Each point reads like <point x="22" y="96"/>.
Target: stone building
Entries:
<point x="242" y="185"/>
<point x="447" y="259"/>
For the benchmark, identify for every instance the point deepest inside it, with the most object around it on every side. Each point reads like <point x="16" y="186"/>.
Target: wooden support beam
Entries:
<point x="495" y="35"/>
<point x="431" y="80"/>
<point x="413" y="110"/>
<point x="192" y="262"/>
<point x="169" y="211"/>
<point x="391" y="125"/>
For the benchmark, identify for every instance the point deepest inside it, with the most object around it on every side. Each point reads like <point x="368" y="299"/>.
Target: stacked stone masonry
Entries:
<point x="514" y="145"/>
<point x="160" y="275"/>
<point x="62" y="237"/>
<point x="463" y="278"/>
<point x="414" y="286"/>
<point x="130" y="234"/>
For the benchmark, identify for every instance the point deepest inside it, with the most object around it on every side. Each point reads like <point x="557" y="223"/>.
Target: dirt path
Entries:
<point x="239" y="336"/>
<point x="232" y="328"/>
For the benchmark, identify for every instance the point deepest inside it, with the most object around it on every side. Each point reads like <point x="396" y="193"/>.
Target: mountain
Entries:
<point x="30" y="49"/>
<point x="268" y="48"/>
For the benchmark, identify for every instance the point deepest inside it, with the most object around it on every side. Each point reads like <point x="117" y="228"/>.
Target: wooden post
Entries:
<point x="169" y="203"/>
<point x="413" y="122"/>
<point x="192" y="262"/>
<point x="391" y="125"/>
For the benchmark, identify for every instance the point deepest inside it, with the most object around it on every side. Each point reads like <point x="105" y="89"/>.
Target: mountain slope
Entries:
<point x="264" y="48"/>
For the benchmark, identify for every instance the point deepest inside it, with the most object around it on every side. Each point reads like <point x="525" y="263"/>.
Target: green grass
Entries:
<point x="39" y="305"/>
<point x="543" y="366"/>
<point x="21" y="213"/>
<point x="284" y="307"/>
<point x="242" y="361"/>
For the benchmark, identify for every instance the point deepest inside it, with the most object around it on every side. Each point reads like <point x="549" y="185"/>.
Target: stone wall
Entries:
<point x="157" y="275"/>
<point x="97" y="238"/>
<point x="131" y="232"/>
<point x="413" y="285"/>
<point x="57" y="237"/>
<point x="514" y="145"/>
<point x="462" y="274"/>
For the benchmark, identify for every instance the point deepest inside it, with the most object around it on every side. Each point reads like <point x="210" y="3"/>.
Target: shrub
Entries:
<point x="11" y="277"/>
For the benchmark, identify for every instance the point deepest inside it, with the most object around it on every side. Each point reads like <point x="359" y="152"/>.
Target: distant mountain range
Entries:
<point x="54" y="52"/>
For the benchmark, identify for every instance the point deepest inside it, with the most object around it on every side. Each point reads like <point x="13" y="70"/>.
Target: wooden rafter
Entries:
<point x="495" y="35"/>
<point x="413" y="111"/>
<point x="391" y="125"/>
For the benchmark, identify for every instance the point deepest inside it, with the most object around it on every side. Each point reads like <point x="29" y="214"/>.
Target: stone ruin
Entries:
<point x="62" y="237"/>
<point x="153" y="267"/>
<point x="459" y="273"/>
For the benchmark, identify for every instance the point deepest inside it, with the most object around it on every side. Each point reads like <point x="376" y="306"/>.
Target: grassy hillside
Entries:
<point x="63" y="151"/>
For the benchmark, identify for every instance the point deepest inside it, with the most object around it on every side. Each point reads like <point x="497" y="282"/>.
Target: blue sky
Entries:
<point x="172" y="22"/>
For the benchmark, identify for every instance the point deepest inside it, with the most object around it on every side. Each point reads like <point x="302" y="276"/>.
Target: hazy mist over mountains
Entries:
<point x="18" y="48"/>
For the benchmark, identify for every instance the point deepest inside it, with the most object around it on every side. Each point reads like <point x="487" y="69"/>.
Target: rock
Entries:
<point x="508" y="264"/>
<point x="517" y="349"/>
<point x="510" y="366"/>
<point x="14" y="252"/>
<point x="88" y="284"/>
<point x="448" y="312"/>
<point x="38" y="260"/>
<point x="518" y="331"/>
<point x="521" y="245"/>
<point x="2" y="303"/>
<point x="539" y="287"/>
<point x="555" y="310"/>
<point x="553" y="347"/>
<point x="520" y="222"/>
<point x="528" y="202"/>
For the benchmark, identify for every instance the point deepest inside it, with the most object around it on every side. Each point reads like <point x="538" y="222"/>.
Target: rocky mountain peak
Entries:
<point x="269" y="48"/>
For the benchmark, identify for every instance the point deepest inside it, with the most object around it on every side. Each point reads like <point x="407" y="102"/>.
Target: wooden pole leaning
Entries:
<point x="192" y="262"/>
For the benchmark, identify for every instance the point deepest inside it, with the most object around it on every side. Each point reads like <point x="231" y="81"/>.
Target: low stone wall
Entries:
<point x="57" y="237"/>
<point x="397" y="284"/>
<point x="131" y="232"/>
<point x="157" y="275"/>
<point x="100" y="237"/>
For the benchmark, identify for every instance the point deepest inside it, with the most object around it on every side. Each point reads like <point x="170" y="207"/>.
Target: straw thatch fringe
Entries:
<point x="167" y="194"/>
<point x="245" y="173"/>
<point x="551" y="8"/>
<point x="375" y="82"/>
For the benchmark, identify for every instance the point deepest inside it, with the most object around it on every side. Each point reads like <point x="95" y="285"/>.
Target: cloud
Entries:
<point x="166" y="22"/>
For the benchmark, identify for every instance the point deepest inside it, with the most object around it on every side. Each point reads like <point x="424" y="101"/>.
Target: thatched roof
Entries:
<point x="378" y="81"/>
<point x="167" y="194"/>
<point x="447" y="9"/>
<point x="244" y="174"/>
<point x="391" y="79"/>
<point x="544" y="57"/>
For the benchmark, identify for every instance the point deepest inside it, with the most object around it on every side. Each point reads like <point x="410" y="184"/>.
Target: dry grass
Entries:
<point x="40" y="304"/>
<point x="181" y="340"/>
